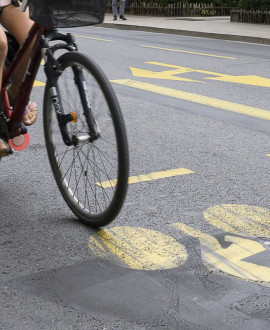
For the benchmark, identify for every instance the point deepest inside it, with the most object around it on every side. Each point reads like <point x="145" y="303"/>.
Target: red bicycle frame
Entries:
<point x="15" y="116"/>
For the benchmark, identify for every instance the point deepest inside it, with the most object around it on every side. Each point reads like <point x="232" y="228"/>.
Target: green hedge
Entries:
<point x="241" y="4"/>
<point x="216" y="3"/>
<point x="254" y="4"/>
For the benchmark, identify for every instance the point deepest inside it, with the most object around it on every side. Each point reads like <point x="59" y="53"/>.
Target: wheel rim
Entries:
<point x="87" y="172"/>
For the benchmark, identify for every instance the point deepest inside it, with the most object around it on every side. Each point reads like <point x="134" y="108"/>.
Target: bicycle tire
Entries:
<point x="101" y="177"/>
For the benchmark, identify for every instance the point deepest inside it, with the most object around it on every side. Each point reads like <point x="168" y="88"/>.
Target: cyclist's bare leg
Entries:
<point x="4" y="148"/>
<point x="18" y="24"/>
<point x="3" y="52"/>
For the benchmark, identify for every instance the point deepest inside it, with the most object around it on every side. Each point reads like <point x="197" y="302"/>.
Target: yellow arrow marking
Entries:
<point x="138" y="248"/>
<point x="168" y="75"/>
<point x="200" y="99"/>
<point x="147" y="177"/>
<point x="245" y="80"/>
<point x="230" y="260"/>
<point x="187" y="52"/>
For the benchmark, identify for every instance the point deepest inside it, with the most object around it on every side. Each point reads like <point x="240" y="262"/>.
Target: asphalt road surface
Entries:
<point x="190" y="249"/>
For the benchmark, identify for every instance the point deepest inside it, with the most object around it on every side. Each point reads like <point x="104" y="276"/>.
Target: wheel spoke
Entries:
<point x="80" y="169"/>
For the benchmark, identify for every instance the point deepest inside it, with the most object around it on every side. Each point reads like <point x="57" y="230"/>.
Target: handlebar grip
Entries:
<point x="24" y="5"/>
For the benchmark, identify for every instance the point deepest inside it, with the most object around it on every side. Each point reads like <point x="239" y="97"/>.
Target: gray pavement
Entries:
<point x="51" y="278"/>
<point x="207" y="27"/>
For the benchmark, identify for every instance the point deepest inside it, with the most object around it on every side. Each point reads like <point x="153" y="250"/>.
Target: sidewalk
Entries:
<point x="207" y="27"/>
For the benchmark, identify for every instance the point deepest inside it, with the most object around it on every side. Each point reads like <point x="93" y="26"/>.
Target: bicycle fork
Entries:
<point x="86" y="103"/>
<point x="53" y="70"/>
<point x="64" y="118"/>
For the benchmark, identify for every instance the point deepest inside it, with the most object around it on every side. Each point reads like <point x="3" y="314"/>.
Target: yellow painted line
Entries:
<point x="84" y="37"/>
<point x="138" y="248"/>
<point x="231" y="259"/>
<point x="195" y="98"/>
<point x="38" y="83"/>
<point x="148" y="177"/>
<point x="187" y="52"/>
<point x="244" y="80"/>
<point x="240" y="219"/>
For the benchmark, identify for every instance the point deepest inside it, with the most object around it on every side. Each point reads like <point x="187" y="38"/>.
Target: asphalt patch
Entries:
<point x="105" y="289"/>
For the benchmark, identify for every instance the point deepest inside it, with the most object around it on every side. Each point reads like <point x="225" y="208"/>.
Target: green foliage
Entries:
<point x="241" y="4"/>
<point x="254" y="4"/>
<point x="216" y="3"/>
<point x="206" y="12"/>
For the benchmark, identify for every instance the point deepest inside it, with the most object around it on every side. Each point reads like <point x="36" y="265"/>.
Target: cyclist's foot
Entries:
<point x="5" y="149"/>
<point x="122" y="17"/>
<point x="30" y="114"/>
<point x="115" y="18"/>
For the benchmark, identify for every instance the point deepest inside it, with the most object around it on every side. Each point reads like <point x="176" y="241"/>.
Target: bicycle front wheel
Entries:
<point x="92" y="175"/>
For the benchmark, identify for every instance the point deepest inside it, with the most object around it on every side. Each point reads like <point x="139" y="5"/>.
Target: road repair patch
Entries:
<point x="105" y="289"/>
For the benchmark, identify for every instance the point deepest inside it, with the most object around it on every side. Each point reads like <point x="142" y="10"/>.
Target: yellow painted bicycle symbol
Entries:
<point x="235" y="250"/>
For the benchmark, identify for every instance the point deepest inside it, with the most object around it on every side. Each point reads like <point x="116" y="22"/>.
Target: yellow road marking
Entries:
<point x="167" y="75"/>
<point x="187" y="52"/>
<point x="138" y="248"/>
<point x="190" y="231"/>
<point x="230" y="259"/>
<point x="195" y="98"/>
<point x="244" y="80"/>
<point x="84" y="37"/>
<point x="146" y="249"/>
<point x="38" y="83"/>
<point x="148" y="177"/>
<point x="240" y="219"/>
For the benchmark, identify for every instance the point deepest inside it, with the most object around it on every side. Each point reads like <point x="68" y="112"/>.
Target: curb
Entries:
<point x="231" y="37"/>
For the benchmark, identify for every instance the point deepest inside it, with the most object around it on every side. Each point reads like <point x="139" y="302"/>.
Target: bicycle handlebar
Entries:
<point x="24" y="5"/>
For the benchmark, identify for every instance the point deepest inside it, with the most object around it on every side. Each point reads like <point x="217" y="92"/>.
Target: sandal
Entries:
<point x="30" y="114"/>
<point x="4" y="147"/>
